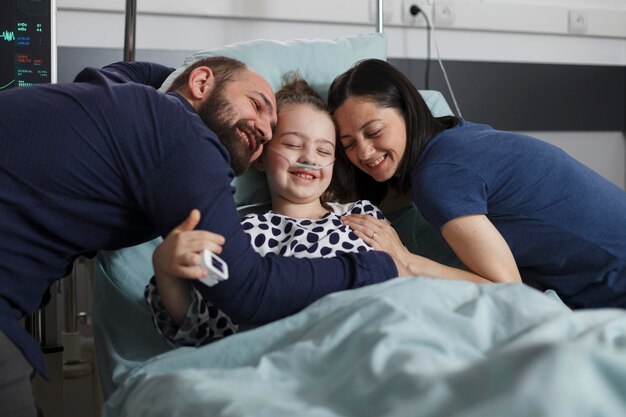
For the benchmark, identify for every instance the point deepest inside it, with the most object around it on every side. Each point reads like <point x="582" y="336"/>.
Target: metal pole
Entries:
<point x="129" y="31"/>
<point x="71" y="321"/>
<point x="379" y="16"/>
<point x="34" y="325"/>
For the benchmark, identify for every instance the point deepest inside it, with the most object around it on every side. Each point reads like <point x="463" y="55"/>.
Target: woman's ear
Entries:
<point x="201" y="82"/>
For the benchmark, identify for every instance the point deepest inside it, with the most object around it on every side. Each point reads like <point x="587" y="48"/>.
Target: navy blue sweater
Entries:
<point x="108" y="162"/>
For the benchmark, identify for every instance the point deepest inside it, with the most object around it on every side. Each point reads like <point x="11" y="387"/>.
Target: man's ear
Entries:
<point x="201" y="82"/>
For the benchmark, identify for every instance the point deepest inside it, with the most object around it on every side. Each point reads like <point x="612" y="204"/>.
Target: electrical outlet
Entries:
<point x="417" y="20"/>
<point x="578" y="21"/>
<point x="443" y="14"/>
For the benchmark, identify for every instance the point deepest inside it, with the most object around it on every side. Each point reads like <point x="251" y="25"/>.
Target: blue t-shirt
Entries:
<point x="564" y="223"/>
<point x="108" y="162"/>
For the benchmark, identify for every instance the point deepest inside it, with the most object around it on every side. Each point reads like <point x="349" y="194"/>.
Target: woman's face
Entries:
<point x="373" y="137"/>
<point x="306" y="135"/>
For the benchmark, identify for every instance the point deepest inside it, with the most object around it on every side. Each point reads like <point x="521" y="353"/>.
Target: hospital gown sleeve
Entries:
<point x="203" y="323"/>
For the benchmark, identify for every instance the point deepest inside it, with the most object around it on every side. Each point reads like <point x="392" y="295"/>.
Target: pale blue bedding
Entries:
<point x="408" y="347"/>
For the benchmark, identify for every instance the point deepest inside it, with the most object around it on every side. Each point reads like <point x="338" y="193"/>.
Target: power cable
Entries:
<point x="415" y="10"/>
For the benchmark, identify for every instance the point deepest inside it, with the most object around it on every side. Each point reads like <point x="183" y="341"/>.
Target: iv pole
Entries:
<point x="380" y="16"/>
<point x="130" y="30"/>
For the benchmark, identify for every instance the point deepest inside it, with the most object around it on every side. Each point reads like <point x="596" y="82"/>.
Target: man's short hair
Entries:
<point x="224" y="69"/>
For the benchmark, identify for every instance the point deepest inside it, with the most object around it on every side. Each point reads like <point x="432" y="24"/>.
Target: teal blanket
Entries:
<point x="408" y="347"/>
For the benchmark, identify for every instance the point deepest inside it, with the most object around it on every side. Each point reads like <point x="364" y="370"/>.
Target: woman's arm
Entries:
<point x="481" y="247"/>
<point x="381" y="236"/>
<point x="177" y="259"/>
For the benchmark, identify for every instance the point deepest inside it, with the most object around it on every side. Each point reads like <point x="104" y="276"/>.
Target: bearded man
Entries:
<point x="108" y="162"/>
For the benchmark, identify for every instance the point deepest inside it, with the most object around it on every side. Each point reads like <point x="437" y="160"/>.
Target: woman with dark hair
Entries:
<point x="510" y="206"/>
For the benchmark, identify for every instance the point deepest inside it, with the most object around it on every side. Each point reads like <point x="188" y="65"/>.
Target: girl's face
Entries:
<point x="306" y="135"/>
<point x="373" y="137"/>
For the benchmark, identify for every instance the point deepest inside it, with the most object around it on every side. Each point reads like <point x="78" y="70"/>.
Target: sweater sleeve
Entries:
<point x="145" y="73"/>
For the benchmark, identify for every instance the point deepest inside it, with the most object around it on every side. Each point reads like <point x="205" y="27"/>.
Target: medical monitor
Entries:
<point x="27" y="43"/>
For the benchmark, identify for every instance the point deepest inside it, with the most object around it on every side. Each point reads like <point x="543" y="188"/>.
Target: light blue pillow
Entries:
<point x="437" y="103"/>
<point x="318" y="61"/>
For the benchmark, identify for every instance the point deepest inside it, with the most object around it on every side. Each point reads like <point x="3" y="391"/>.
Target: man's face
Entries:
<point x="242" y="113"/>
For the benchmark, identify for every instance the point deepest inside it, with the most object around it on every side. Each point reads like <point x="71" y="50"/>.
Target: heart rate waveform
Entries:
<point x="8" y="36"/>
<point x="27" y="49"/>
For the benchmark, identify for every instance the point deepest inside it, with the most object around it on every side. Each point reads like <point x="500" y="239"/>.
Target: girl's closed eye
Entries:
<point x="289" y="141"/>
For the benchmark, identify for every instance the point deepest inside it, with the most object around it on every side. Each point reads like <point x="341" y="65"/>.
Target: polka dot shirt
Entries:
<point x="303" y="238"/>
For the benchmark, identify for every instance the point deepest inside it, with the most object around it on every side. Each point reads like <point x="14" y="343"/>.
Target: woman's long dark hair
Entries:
<point x="381" y="83"/>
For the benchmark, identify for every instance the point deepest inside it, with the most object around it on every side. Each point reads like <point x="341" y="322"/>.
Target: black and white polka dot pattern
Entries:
<point x="269" y="233"/>
<point x="203" y="321"/>
<point x="304" y="238"/>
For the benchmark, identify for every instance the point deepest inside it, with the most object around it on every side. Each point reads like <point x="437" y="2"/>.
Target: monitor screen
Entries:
<point x="27" y="43"/>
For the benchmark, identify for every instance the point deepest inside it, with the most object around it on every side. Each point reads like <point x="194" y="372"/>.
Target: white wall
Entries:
<point x="483" y="30"/>
<point x="604" y="152"/>
<point x="501" y="30"/>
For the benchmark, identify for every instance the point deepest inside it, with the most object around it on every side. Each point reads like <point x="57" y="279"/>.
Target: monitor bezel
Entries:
<point x="53" y="42"/>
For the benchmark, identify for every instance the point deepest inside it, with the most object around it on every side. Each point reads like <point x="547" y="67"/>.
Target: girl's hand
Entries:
<point x="179" y="253"/>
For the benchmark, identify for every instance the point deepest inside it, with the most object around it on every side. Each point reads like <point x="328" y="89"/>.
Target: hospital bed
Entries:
<point x="413" y="346"/>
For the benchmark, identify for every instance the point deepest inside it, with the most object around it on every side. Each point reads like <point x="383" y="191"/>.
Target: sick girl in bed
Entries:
<point x="303" y="178"/>
<point x="510" y="206"/>
<point x="299" y="164"/>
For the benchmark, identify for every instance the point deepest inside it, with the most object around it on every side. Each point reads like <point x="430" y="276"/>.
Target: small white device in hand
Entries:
<point x="216" y="267"/>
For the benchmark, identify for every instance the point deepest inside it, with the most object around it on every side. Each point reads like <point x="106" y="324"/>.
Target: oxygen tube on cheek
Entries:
<point x="308" y="167"/>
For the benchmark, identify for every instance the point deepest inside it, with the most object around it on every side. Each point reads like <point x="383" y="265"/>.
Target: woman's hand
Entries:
<point x="379" y="234"/>
<point x="179" y="253"/>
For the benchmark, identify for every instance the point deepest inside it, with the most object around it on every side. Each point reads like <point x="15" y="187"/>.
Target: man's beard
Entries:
<point x="218" y="114"/>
